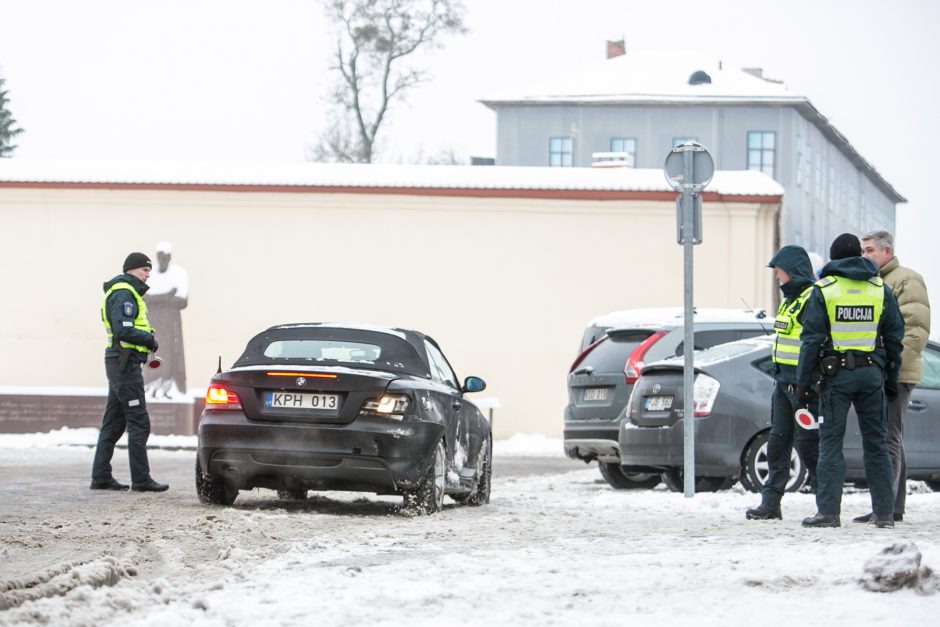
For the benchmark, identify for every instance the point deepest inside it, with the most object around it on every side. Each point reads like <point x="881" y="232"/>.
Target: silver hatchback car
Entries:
<point x="614" y="348"/>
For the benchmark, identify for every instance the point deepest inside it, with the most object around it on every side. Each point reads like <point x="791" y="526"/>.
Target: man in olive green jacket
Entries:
<point x="911" y="293"/>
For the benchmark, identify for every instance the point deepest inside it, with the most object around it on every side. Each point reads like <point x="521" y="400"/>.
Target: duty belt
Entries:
<point x="850" y="360"/>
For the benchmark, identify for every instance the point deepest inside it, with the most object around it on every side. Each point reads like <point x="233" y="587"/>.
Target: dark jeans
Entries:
<point x="126" y="409"/>
<point x="784" y="435"/>
<point x="896" y="410"/>
<point x="863" y="388"/>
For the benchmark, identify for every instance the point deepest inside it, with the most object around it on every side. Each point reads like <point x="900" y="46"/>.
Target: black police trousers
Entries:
<point x="126" y="410"/>
<point x="785" y="434"/>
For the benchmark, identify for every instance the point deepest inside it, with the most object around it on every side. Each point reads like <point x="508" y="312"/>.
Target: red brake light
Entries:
<point x="309" y="375"/>
<point x="635" y="363"/>
<point x="217" y="397"/>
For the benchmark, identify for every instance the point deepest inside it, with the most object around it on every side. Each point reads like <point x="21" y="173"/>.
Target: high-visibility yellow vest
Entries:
<point x="788" y="328"/>
<point x="140" y="322"/>
<point x="854" y="308"/>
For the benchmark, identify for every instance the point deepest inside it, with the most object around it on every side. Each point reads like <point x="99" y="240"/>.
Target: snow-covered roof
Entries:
<point x="659" y="76"/>
<point x="663" y="78"/>
<point x="305" y="176"/>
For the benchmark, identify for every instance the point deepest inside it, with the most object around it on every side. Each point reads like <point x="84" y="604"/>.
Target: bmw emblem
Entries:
<point x="300" y="382"/>
<point x="656" y="388"/>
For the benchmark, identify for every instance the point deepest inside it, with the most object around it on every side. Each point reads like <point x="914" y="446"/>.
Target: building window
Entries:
<point x="627" y="146"/>
<point x="678" y="141"/>
<point x="799" y="162"/>
<point x="559" y="152"/>
<point x="760" y="151"/>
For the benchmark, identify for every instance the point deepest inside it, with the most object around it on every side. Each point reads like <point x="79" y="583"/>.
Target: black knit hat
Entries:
<point x="137" y="260"/>
<point x="846" y="245"/>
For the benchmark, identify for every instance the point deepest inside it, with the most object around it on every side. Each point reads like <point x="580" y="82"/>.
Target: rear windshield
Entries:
<point x="335" y="350"/>
<point x="332" y="346"/>
<point x="724" y="352"/>
<point x="612" y="353"/>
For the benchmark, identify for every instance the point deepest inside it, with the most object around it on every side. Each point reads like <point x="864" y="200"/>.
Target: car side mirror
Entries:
<point x="473" y="384"/>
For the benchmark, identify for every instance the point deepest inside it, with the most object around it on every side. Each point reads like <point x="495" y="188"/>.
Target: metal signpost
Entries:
<point x="689" y="168"/>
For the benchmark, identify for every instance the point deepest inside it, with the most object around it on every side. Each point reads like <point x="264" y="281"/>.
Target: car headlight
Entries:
<point x="392" y="406"/>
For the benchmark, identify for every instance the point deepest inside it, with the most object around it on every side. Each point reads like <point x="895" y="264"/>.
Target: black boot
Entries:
<point x="870" y="517"/>
<point x="764" y="511"/>
<point x="150" y="486"/>
<point x="110" y="484"/>
<point x="822" y="520"/>
<point x="883" y="521"/>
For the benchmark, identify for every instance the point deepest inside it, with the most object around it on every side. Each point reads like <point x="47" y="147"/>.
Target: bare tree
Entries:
<point x="374" y="42"/>
<point x="7" y="129"/>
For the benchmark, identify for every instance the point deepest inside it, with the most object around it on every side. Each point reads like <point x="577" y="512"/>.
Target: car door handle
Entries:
<point x="456" y="405"/>
<point x="917" y="405"/>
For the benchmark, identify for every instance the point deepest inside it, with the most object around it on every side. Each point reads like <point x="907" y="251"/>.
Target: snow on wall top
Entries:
<point x="647" y="75"/>
<point x="328" y="175"/>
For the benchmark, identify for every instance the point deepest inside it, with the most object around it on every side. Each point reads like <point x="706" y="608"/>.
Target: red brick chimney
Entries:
<point x="616" y="49"/>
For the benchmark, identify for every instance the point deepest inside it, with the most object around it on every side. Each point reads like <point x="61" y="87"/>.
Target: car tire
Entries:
<point x="755" y="468"/>
<point x="214" y="491"/>
<point x="481" y="491"/>
<point x="616" y="478"/>
<point x="674" y="478"/>
<point x="298" y="494"/>
<point x="428" y="496"/>
<point x="933" y="485"/>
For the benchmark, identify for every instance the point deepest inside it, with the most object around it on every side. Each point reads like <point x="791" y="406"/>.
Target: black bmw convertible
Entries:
<point x="344" y="407"/>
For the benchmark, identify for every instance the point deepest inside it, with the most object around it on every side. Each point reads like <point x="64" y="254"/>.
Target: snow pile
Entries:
<point x="898" y="566"/>
<point x="529" y="445"/>
<point x="62" y="579"/>
<point x="519" y="445"/>
<point x="85" y="437"/>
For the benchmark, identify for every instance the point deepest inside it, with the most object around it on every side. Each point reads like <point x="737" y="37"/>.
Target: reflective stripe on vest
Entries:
<point x="140" y="322"/>
<point x="854" y="308"/>
<point x="787" y="327"/>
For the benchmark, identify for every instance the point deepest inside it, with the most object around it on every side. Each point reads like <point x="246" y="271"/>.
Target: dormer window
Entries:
<point x="699" y="78"/>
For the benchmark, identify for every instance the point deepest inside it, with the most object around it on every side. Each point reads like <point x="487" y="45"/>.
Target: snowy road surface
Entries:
<point x="559" y="548"/>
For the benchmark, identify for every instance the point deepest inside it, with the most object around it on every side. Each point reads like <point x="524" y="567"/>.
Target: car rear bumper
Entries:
<point x="369" y="454"/>
<point x="592" y="439"/>
<point x="716" y="455"/>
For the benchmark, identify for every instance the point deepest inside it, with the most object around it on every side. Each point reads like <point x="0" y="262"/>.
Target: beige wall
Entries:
<point x="505" y="285"/>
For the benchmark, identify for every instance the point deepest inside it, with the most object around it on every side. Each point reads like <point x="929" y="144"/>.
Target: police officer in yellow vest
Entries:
<point x="794" y="272"/>
<point x="130" y="339"/>
<point x="852" y="333"/>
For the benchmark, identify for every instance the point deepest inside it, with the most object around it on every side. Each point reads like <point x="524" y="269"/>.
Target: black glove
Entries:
<point x="805" y="395"/>
<point x="152" y="344"/>
<point x="891" y="390"/>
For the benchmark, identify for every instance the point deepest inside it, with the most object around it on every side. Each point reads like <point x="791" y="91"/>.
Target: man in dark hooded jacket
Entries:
<point x="852" y="333"/>
<point x="130" y="340"/>
<point x="795" y="275"/>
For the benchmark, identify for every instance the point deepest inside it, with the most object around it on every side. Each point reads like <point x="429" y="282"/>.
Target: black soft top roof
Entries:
<point x="402" y="349"/>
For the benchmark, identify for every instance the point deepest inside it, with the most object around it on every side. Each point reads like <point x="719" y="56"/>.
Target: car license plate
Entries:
<point x="658" y="403"/>
<point x="595" y="394"/>
<point x="298" y="400"/>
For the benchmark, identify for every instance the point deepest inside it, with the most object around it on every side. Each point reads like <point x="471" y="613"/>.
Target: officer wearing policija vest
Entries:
<point x="852" y="333"/>
<point x="794" y="272"/>
<point x="130" y="339"/>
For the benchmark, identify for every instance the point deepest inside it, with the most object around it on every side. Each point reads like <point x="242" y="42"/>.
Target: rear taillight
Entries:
<point x="585" y="353"/>
<point x="218" y="397"/>
<point x="704" y="392"/>
<point x="635" y="363"/>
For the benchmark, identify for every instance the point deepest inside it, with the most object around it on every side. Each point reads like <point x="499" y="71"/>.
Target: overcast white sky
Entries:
<point x="244" y="79"/>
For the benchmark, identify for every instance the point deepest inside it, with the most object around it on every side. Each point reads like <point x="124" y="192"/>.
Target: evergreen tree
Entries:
<point x="8" y="129"/>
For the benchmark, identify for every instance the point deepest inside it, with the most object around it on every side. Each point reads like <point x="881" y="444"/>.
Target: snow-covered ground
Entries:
<point x="553" y="549"/>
